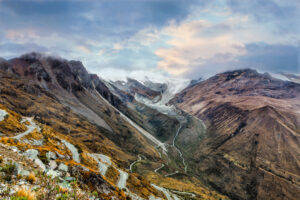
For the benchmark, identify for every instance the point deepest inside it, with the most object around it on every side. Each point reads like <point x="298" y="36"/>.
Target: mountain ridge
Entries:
<point x="253" y="125"/>
<point x="236" y="132"/>
<point x="61" y="94"/>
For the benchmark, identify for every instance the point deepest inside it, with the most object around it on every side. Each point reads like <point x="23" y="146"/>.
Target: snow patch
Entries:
<point x="103" y="158"/>
<point x="103" y="162"/>
<point x="166" y="192"/>
<point x="279" y="76"/>
<point x="3" y="114"/>
<point x="123" y="179"/>
<point x="30" y="127"/>
<point x="73" y="149"/>
<point x="173" y="87"/>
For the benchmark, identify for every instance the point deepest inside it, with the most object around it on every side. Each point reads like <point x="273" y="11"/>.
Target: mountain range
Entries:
<point x="235" y="135"/>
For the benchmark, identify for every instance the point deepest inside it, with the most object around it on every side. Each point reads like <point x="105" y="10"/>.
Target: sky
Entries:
<point x="178" y="38"/>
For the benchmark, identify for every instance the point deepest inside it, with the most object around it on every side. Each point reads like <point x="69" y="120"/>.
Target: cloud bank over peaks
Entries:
<point x="180" y="38"/>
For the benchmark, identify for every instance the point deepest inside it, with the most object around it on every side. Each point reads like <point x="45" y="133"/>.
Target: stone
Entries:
<point x="69" y="178"/>
<point x="51" y="155"/>
<point x="63" y="167"/>
<point x="53" y="174"/>
<point x="31" y="153"/>
<point x="40" y="164"/>
<point x="21" y="171"/>
<point x="52" y="164"/>
<point x="14" y="149"/>
<point x="21" y="183"/>
<point x="60" y="156"/>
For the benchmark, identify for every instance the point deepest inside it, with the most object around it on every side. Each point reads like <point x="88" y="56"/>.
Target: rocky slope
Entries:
<point x="291" y="77"/>
<point x="82" y="114"/>
<point x="49" y="165"/>
<point x="251" y="149"/>
<point x="149" y="90"/>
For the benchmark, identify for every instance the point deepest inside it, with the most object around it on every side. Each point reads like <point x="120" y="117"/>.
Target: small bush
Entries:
<point x="8" y="169"/>
<point x="19" y="176"/>
<point x="31" y="178"/>
<point x="23" y="194"/>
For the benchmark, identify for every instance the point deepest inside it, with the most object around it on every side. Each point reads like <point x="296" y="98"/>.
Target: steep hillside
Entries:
<point x="55" y="91"/>
<point x="42" y="93"/>
<point x="251" y="148"/>
<point x="151" y="91"/>
<point x="39" y="156"/>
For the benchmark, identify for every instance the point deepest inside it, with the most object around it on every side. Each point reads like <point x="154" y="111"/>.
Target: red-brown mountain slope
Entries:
<point x="251" y="149"/>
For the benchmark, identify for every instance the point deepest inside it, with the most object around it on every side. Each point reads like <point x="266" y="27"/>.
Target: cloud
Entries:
<point x="275" y="57"/>
<point x="9" y="50"/>
<point x="282" y="15"/>
<point x="224" y="39"/>
<point x="118" y="19"/>
<point x="192" y="43"/>
<point x="181" y="37"/>
<point x="263" y="57"/>
<point x="265" y="10"/>
<point x="22" y="35"/>
<point x="84" y="49"/>
<point x="117" y="46"/>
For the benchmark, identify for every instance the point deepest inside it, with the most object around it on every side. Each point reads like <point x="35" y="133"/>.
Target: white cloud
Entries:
<point x="211" y="40"/>
<point x="84" y="49"/>
<point x="117" y="46"/>
<point x="22" y="35"/>
<point x="192" y="42"/>
<point x="145" y="36"/>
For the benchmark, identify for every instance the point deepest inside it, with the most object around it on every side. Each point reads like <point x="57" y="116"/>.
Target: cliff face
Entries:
<point x="251" y="149"/>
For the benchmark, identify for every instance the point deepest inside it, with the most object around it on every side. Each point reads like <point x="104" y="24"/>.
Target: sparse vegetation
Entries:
<point x="52" y="188"/>
<point x="31" y="178"/>
<point x="24" y="194"/>
<point x="112" y="174"/>
<point x="8" y="169"/>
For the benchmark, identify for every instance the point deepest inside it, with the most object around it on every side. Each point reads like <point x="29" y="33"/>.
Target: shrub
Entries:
<point x="8" y="169"/>
<point x="23" y="194"/>
<point x="31" y="178"/>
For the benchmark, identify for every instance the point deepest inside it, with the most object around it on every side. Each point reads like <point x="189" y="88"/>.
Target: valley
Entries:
<point x="98" y="128"/>
<point x="232" y="136"/>
<point x="149" y="100"/>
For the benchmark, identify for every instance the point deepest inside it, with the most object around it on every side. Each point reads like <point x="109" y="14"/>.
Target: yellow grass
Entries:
<point x="31" y="178"/>
<point x="26" y="193"/>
